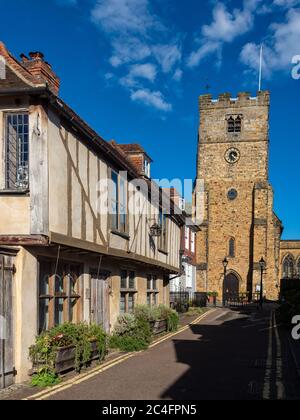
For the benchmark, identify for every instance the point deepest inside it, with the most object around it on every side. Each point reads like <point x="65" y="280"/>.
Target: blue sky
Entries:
<point x="133" y="69"/>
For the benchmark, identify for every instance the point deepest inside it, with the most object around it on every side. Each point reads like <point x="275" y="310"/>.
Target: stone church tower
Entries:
<point x="238" y="221"/>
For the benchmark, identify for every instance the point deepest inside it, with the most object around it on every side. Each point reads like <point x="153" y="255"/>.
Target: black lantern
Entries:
<point x="225" y="263"/>
<point x="155" y="230"/>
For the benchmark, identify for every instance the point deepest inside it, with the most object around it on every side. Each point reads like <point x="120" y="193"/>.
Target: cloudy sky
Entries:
<point x="134" y="70"/>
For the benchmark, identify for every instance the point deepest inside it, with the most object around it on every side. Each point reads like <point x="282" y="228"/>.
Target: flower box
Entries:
<point x="159" y="327"/>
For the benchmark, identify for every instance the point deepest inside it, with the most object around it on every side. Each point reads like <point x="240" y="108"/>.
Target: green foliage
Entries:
<point x="125" y="324"/>
<point x="131" y="333"/>
<point x="80" y="336"/>
<point x="45" y="378"/>
<point x="194" y="311"/>
<point x="172" y="321"/>
<point x="212" y="294"/>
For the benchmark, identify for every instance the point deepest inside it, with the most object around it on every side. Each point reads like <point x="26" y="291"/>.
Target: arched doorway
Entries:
<point x="231" y="288"/>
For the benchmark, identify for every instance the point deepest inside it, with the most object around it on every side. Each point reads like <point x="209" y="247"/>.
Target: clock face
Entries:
<point x="232" y="155"/>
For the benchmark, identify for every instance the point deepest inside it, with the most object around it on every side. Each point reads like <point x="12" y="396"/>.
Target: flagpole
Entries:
<point x="260" y="67"/>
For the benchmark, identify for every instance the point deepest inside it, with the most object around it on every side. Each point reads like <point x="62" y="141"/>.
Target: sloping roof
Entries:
<point x="17" y="75"/>
<point x="133" y="148"/>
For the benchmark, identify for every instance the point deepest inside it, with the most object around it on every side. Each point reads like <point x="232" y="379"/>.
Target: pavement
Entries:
<point x="237" y="354"/>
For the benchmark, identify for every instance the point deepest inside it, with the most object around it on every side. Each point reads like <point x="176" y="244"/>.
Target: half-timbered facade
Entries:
<point x="78" y="217"/>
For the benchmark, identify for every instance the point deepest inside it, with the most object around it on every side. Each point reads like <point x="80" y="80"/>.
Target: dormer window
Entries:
<point x="234" y="124"/>
<point x="147" y="168"/>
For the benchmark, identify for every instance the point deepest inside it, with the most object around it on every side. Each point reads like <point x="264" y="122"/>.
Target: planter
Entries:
<point x="159" y="327"/>
<point x="65" y="359"/>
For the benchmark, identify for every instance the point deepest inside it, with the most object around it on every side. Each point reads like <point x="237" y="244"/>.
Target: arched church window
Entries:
<point x="288" y="267"/>
<point x="232" y="248"/>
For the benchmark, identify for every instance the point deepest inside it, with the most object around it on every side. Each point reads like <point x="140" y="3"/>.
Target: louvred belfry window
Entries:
<point x="234" y="124"/>
<point x="17" y="151"/>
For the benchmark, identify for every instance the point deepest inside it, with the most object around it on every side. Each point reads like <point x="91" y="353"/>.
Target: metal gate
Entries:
<point x="7" y="371"/>
<point x="100" y="300"/>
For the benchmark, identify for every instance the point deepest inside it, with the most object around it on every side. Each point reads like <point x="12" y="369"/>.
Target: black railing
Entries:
<point x="181" y="301"/>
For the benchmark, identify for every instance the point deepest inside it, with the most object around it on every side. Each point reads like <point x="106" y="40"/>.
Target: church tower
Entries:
<point x="237" y="221"/>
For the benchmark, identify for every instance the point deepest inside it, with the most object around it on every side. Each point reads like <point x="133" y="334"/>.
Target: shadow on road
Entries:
<point x="239" y="356"/>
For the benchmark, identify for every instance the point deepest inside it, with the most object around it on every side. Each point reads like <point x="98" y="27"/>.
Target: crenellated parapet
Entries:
<point x="225" y="100"/>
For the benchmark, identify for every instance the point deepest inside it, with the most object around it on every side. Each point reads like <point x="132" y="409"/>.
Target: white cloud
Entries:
<point x="122" y="16"/>
<point x="167" y="55"/>
<point x="178" y="75"/>
<point x="139" y="71"/>
<point x="286" y="3"/>
<point x="141" y="48"/>
<point x="225" y="27"/>
<point x="280" y="47"/>
<point x="153" y="99"/>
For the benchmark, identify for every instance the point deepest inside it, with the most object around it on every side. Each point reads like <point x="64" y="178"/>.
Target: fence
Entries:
<point x="181" y="301"/>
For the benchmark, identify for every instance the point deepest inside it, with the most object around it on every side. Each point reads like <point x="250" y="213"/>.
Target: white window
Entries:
<point x="193" y="237"/>
<point x="147" y="171"/>
<point x="187" y="238"/>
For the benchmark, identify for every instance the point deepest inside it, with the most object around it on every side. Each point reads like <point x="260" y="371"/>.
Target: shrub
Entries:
<point x="44" y="378"/>
<point x="43" y="353"/>
<point x="134" y="338"/>
<point x="173" y="321"/>
<point x="125" y="324"/>
<point x="193" y="311"/>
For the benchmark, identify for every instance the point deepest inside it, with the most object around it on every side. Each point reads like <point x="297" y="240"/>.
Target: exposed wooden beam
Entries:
<point x="24" y="240"/>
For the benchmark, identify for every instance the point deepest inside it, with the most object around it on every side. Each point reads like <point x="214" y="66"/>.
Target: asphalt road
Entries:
<point x="231" y="355"/>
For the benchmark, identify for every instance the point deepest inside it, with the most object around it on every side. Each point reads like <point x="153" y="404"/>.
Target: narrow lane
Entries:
<point x="231" y="355"/>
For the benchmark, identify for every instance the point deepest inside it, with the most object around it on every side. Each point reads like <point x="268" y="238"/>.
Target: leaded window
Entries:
<point x="234" y="124"/>
<point x="232" y="248"/>
<point x="288" y="267"/>
<point x="17" y="151"/>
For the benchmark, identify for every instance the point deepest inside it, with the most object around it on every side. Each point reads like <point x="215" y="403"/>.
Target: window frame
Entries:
<point x="234" y="124"/>
<point x="22" y="163"/>
<point x="152" y="292"/>
<point x="128" y="292"/>
<point x="118" y="204"/>
<point x="163" y="239"/>
<point x="67" y="271"/>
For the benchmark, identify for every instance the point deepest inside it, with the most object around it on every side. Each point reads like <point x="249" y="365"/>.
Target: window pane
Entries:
<point x="114" y="201"/>
<point x="149" y="299"/>
<point x="132" y="280"/>
<point x="59" y="312"/>
<point x="123" y="201"/>
<point x="130" y="302"/>
<point x="44" y="285"/>
<point x="123" y="303"/>
<point x="124" y="280"/>
<point x="44" y="315"/>
<point x="155" y="300"/>
<point x="154" y="283"/>
<point x="59" y="283"/>
<point x="73" y="310"/>
<point x="17" y="151"/>
<point x="149" y="283"/>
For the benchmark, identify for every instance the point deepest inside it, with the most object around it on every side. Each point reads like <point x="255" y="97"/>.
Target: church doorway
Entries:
<point x="231" y="288"/>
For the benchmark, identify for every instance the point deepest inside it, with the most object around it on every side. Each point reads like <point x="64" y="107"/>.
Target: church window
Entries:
<point x="288" y="267"/>
<point x="234" y="124"/>
<point x="232" y="248"/>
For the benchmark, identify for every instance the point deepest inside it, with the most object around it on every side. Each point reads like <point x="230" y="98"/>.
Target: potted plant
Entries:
<point x="212" y="298"/>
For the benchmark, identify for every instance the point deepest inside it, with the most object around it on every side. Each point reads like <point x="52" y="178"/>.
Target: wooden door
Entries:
<point x="100" y="300"/>
<point x="7" y="371"/>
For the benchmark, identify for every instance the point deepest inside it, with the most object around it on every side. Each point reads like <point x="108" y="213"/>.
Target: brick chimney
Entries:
<point x="41" y="70"/>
